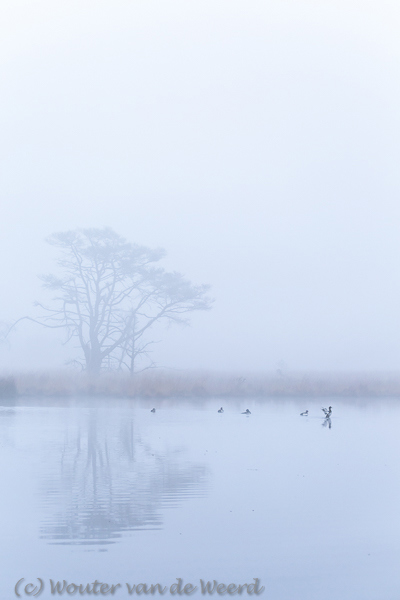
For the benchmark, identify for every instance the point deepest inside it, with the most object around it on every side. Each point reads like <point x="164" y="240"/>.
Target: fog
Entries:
<point x="257" y="142"/>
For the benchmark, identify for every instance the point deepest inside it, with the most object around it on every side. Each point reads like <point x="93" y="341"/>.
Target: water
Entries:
<point x="109" y="491"/>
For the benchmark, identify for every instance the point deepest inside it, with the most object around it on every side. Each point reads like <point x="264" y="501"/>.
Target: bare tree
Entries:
<point x="110" y="293"/>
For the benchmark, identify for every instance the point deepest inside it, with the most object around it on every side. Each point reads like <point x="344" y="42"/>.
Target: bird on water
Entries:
<point x="221" y="410"/>
<point x="153" y="410"/>
<point x="304" y="414"/>
<point x="246" y="412"/>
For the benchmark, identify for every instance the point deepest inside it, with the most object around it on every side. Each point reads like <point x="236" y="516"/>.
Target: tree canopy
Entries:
<point x="109" y="293"/>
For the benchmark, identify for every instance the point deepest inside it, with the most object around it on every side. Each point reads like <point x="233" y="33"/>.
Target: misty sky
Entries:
<point x="256" y="141"/>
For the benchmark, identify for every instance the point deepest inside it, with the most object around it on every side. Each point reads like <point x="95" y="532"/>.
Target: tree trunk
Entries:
<point x="132" y="365"/>
<point x="93" y="362"/>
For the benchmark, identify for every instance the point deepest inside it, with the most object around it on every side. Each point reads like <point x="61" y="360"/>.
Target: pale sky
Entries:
<point x="256" y="141"/>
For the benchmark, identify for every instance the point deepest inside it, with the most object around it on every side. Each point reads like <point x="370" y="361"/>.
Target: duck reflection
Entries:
<point x="327" y="422"/>
<point x="109" y="481"/>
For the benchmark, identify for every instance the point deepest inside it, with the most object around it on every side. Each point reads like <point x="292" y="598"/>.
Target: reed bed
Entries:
<point x="174" y="384"/>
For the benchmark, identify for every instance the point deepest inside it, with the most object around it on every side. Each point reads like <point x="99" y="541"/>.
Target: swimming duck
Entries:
<point x="327" y="411"/>
<point x="221" y="410"/>
<point x="304" y="414"/>
<point x="247" y="412"/>
<point x="153" y="410"/>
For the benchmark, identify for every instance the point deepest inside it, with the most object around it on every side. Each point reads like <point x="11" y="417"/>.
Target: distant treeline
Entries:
<point x="170" y="384"/>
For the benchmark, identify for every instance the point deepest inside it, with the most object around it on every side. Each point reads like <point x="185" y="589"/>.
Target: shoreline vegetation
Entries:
<point x="162" y="383"/>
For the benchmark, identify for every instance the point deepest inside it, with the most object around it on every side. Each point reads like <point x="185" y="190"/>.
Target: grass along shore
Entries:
<point x="161" y="383"/>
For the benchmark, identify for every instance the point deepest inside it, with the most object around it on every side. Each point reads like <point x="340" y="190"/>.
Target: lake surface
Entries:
<point x="107" y="491"/>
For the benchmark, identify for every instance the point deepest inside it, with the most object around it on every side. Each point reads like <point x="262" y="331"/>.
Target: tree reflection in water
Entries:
<point x="109" y="482"/>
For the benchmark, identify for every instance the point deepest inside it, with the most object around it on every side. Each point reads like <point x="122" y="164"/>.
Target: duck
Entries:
<point x="153" y="410"/>
<point x="327" y="411"/>
<point x="246" y="412"/>
<point x="221" y="410"/>
<point x="304" y="414"/>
